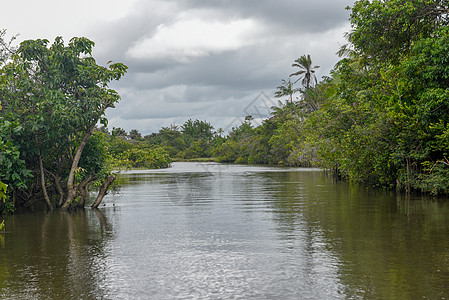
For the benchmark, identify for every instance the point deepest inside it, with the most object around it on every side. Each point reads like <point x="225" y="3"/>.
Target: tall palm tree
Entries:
<point x="306" y="70"/>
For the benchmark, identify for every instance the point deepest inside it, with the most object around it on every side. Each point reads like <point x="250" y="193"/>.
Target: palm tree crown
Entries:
<point x="306" y="70"/>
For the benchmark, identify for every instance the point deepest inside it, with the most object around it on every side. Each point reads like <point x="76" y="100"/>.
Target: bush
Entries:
<point x="153" y="158"/>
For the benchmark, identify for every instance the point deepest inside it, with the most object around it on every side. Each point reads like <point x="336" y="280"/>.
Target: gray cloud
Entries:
<point x="294" y="15"/>
<point x="204" y="59"/>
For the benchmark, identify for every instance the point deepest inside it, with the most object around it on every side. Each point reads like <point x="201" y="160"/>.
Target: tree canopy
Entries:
<point x="53" y="96"/>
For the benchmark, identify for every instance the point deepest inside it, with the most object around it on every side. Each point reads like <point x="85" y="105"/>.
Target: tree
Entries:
<point x="170" y="138"/>
<point x="384" y="31"/>
<point x="306" y="72"/>
<point x="285" y="89"/>
<point x="385" y="119"/>
<point x="59" y="94"/>
<point x="119" y="132"/>
<point x="134" y="134"/>
<point x="13" y="170"/>
<point x="3" y="188"/>
<point x="198" y="130"/>
<point x="6" y="47"/>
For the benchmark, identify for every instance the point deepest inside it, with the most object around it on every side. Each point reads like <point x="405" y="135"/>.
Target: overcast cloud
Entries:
<point x="211" y="60"/>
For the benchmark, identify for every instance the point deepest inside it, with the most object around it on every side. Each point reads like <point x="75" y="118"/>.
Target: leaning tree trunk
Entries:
<point x="103" y="190"/>
<point x="71" y="188"/>
<point x="82" y="190"/>
<point x="44" y="189"/>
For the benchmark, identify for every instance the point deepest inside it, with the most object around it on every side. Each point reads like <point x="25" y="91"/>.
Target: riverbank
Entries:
<point x="200" y="159"/>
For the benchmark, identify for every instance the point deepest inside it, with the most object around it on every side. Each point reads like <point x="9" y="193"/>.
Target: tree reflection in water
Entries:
<point x="54" y="255"/>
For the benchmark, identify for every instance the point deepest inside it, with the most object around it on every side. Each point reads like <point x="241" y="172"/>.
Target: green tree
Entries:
<point x="134" y="134"/>
<point x="285" y="89"/>
<point x="119" y="132"/>
<point x="384" y="119"/>
<point x="13" y="170"/>
<point x="149" y="158"/>
<point x="169" y="138"/>
<point x="198" y="136"/>
<point x="3" y="188"/>
<point x="198" y="130"/>
<point x="6" y="47"/>
<point x="384" y="31"/>
<point x="306" y="71"/>
<point x="59" y="94"/>
<point x="236" y="148"/>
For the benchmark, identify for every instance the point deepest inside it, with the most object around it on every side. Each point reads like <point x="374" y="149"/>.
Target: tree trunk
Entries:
<point x="44" y="189"/>
<point x="103" y="190"/>
<point x="71" y="189"/>
<point x="60" y="190"/>
<point x="58" y="186"/>
<point x="82" y="190"/>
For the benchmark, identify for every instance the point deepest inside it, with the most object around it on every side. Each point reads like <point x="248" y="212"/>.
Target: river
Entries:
<point x="213" y="231"/>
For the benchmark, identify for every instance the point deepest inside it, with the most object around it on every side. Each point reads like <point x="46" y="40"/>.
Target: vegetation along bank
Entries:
<point x="381" y="116"/>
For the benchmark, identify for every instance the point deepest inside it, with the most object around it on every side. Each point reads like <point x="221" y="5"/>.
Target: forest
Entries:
<point x="380" y="118"/>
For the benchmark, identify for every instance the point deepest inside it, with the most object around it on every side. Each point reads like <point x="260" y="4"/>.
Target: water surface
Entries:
<point x="211" y="231"/>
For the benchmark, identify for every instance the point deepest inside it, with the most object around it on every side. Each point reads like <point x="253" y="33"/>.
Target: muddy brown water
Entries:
<point x="212" y="231"/>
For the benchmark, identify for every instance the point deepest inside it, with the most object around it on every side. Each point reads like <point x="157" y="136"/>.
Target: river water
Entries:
<point x="211" y="231"/>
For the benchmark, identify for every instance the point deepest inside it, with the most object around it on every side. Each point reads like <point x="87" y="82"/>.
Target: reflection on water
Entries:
<point x="52" y="256"/>
<point x="210" y="231"/>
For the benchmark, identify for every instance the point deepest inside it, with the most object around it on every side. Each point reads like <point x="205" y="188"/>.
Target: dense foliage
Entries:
<point x="381" y="117"/>
<point x="143" y="158"/>
<point x="52" y="98"/>
<point x="194" y="139"/>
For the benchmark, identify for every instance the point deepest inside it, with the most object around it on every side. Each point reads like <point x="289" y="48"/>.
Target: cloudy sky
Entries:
<point x="210" y="60"/>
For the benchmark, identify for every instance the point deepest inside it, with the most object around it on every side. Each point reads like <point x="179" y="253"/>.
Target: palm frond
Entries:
<point x="306" y="70"/>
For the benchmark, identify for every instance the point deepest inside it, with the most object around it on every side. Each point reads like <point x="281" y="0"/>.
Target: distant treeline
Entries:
<point x="381" y="117"/>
